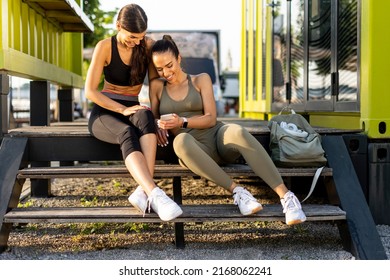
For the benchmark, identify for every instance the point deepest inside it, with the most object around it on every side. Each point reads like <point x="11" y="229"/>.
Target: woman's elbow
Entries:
<point x="213" y="121"/>
<point x="88" y="94"/>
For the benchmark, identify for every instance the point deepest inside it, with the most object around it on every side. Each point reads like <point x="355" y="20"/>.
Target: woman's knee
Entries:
<point x="234" y="132"/>
<point x="143" y="115"/>
<point x="144" y="120"/>
<point x="182" y="144"/>
<point x="129" y="140"/>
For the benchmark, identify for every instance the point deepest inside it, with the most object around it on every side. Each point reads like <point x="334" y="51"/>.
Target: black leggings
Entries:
<point x="115" y="128"/>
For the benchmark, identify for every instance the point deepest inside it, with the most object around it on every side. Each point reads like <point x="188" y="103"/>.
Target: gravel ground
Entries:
<point x="214" y="241"/>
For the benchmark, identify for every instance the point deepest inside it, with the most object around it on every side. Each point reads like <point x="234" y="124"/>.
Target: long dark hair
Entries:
<point x="133" y="19"/>
<point x="166" y="44"/>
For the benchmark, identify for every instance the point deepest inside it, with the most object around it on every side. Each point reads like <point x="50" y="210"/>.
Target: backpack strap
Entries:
<point x="287" y="109"/>
<point x="314" y="182"/>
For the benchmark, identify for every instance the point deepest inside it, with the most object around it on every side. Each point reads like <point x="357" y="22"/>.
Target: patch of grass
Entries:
<point x="25" y="204"/>
<point x="31" y="227"/>
<point x="135" y="227"/>
<point x="89" y="203"/>
<point x="116" y="184"/>
<point x="93" y="228"/>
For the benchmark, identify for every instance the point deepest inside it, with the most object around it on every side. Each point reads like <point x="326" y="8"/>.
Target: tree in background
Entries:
<point x="100" y="19"/>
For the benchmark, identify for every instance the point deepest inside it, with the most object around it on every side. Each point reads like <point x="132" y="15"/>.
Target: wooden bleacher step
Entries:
<point x="191" y="213"/>
<point x="161" y="170"/>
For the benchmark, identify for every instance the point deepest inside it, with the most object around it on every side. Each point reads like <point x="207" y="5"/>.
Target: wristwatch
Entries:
<point x="185" y="122"/>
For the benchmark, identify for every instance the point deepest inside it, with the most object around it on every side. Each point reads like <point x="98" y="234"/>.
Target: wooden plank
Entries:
<point x="51" y="131"/>
<point x="161" y="170"/>
<point x="364" y="235"/>
<point x="191" y="213"/>
<point x="66" y="148"/>
<point x="256" y="127"/>
<point x="11" y="155"/>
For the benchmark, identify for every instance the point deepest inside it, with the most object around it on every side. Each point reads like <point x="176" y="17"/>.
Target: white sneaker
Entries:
<point x="245" y="201"/>
<point x="139" y="199"/>
<point x="293" y="209"/>
<point x="165" y="207"/>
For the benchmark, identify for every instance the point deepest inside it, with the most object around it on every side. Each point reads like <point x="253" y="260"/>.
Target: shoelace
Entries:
<point x="148" y="201"/>
<point x="290" y="202"/>
<point x="243" y="195"/>
<point x="163" y="197"/>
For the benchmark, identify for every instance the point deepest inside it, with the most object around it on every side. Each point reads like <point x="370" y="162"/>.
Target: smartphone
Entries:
<point x="166" y="117"/>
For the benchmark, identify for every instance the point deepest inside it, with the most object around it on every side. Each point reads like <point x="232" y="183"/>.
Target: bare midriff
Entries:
<point x="122" y="90"/>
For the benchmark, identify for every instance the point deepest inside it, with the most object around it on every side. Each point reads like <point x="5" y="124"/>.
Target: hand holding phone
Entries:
<point x="166" y="117"/>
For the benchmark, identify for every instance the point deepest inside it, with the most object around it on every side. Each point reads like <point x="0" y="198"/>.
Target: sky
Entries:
<point x="220" y="15"/>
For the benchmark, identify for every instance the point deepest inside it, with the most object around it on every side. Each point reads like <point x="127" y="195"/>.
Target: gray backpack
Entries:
<point x="294" y="143"/>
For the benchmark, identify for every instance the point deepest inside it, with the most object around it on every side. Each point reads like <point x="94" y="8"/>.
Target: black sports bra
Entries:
<point x="117" y="72"/>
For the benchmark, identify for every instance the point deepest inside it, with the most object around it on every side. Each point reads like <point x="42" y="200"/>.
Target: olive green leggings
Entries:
<point x="232" y="140"/>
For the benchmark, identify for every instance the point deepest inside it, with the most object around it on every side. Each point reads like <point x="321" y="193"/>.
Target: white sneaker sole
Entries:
<point x="296" y="221"/>
<point x="255" y="210"/>
<point x="173" y="215"/>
